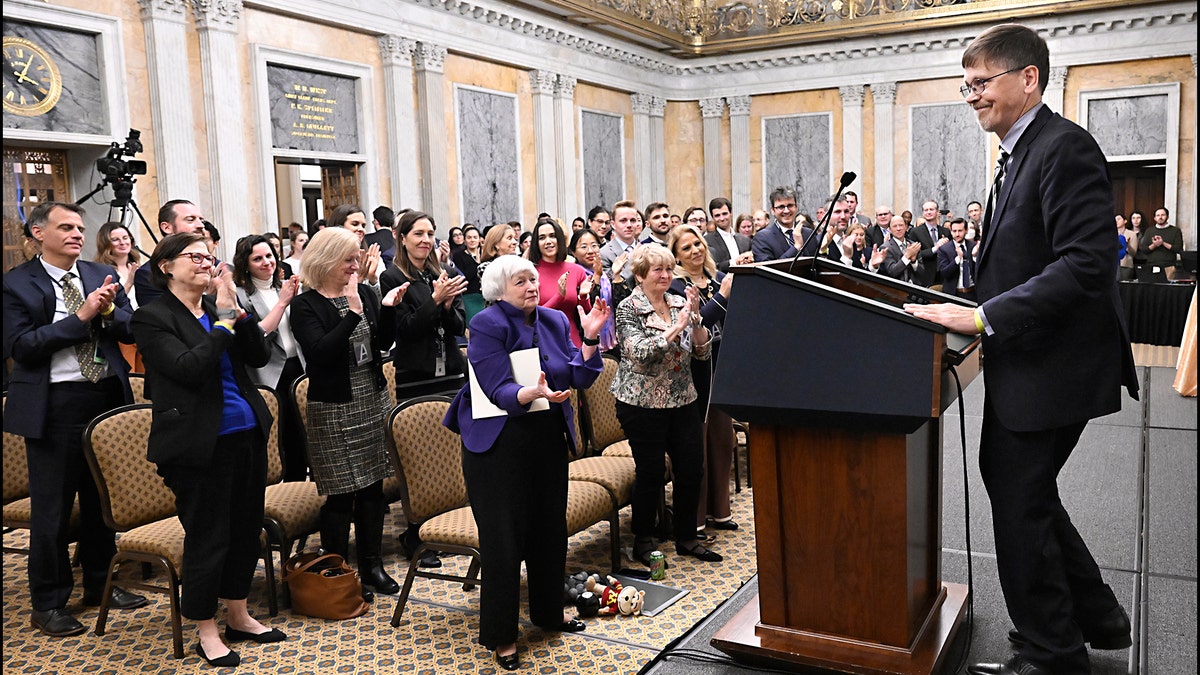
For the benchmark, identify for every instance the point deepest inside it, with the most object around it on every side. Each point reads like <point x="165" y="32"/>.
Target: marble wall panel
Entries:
<point x="1134" y="125"/>
<point x="949" y="162"/>
<point x="312" y="111"/>
<point x="796" y="154"/>
<point x="488" y="167"/>
<point x="603" y="171"/>
<point x="80" y="108"/>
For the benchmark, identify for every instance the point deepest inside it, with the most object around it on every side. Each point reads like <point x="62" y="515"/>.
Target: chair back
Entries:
<point x="16" y="470"/>
<point x="603" y="425"/>
<point x="389" y="376"/>
<point x="137" y="382"/>
<point x="300" y="400"/>
<point x="132" y="493"/>
<point x="427" y="457"/>
<point x="581" y="439"/>
<point x="274" y="456"/>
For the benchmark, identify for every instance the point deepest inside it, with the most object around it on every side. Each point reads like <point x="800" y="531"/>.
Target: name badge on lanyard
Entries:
<point x="439" y="363"/>
<point x="362" y="350"/>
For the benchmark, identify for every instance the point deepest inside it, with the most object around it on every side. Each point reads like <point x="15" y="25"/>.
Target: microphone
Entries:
<point x="818" y="231"/>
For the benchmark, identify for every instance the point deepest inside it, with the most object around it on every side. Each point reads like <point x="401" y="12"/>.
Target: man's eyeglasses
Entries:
<point x="784" y="207"/>
<point x="978" y="86"/>
<point x="697" y="220"/>
<point x="199" y="258"/>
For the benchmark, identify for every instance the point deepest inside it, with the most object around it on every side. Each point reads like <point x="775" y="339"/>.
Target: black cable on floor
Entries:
<point x="962" y="432"/>
<point x="714" y="659"/>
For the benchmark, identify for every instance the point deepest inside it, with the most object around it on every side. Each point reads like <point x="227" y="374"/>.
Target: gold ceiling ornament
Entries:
<point x="708" y="27"/>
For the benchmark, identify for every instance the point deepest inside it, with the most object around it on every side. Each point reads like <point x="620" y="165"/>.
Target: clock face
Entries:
<point x="32" y="83"/>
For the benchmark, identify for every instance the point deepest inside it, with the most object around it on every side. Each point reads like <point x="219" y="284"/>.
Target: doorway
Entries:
<point x="310" y="189"/>
<point x="1139" y="185"/>
<point x="31" y="176"/>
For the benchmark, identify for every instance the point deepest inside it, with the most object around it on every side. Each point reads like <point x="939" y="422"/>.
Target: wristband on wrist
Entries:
<point x="978" y="320"/>
<point x="591" y="342"/>
<point x="112" y="307"/>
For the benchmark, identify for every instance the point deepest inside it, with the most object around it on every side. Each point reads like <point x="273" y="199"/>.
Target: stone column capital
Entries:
<point x="396" y="50"/>
<point x="1058" y="77"/>
<point x="658" y="106"/>
<point x="852" y="94"/>
<point x="641" y="103"/>
<point x="712" y="107"/>
<point x="738" y="105"/>
<point x="430" y="57"/>
<point x="542" y="81"/>
<point x="884" y="92"/>
<point x="164" y="10"/>
<point x="565" y="87"/>
<point x="217" y="14"/>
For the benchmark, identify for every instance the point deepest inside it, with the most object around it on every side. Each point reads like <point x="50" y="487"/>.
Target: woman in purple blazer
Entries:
<point x="515" y="465"/>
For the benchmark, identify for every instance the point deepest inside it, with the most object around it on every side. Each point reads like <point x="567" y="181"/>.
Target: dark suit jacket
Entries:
<point x="876" y="234"/>
<point x="929" y="265"/>
<point x="894" y="267"/>
<point x="1059" y="350"/>
<point x="417" y="320"/>
<point x="947" y="256"/>
<point x="718" y="251"/>
<point x="31" y="336"/>
<point x="769" y="243"/>
<point x="324" y="337"/>
<point x="183" y="369"/>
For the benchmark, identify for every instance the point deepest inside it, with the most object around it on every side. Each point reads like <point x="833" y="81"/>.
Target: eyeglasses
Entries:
<point x="784" y="207"/>
<point x="697" y="220"/>
<point x="199" y="258"/>
<point x="978" y="86"/>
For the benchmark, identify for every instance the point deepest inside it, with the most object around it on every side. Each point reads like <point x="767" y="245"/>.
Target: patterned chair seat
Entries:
<point x="619" y="449"/>
<point x="455" y="527"/>
<point x="614" y="474"/>
<point x="296" y="506"/>
<point x="162" y="538"/>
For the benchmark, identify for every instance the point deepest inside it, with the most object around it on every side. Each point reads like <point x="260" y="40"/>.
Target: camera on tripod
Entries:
<point x="119" y="171"/>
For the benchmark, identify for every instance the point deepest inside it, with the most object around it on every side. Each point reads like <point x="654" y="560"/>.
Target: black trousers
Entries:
<point x="291" y="435"/>
<point x="1051" y="583"/>
<point x="221" y="508"/>
<point x="653" y="434"/>
<point x="518" y="493"/>
<point x="57" y="472"/>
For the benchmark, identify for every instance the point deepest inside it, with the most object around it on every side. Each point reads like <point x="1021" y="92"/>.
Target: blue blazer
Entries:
<point x="31" y="336"/>
<point x="498" y="331"/>
<point x="1047" y="281"/>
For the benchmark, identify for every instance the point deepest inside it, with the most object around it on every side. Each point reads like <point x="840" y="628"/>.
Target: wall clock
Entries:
<point x="32" y="83"/>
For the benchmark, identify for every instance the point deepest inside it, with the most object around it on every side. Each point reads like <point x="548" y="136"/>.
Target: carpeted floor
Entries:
<point x="436" y="634"/>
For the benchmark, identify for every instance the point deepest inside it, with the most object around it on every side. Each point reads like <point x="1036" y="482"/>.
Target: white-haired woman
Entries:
<point x="515" y="465"/>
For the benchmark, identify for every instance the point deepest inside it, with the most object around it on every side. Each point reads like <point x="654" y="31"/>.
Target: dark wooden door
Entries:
<point x="339" y="185"/>
<point x="1139" y="186"/>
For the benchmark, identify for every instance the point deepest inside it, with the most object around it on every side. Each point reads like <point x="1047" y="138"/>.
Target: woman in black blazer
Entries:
<point x="208" y="435"/>
<point x="343" y="329"/>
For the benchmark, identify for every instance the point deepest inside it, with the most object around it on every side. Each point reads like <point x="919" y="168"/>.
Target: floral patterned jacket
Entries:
<point x="652" y="372"/>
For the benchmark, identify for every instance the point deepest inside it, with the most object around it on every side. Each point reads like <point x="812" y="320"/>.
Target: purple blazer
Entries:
<point x="498" y="331"/>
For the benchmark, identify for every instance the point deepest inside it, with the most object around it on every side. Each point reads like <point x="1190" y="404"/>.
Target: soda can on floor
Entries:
<point x="658" y="566"/>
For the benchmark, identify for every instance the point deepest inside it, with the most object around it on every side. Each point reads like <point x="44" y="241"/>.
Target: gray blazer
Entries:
<point x="268" y="375"/>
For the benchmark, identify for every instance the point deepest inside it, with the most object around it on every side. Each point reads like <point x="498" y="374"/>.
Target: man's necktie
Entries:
<point x="994" y="195"/>
<point x="85" y="352"/>
<point x="967" y="277"/>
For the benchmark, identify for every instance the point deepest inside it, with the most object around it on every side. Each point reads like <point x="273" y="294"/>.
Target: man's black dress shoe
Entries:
<point x="120" y="599"/>
<point x="228" y="661"/>
<point x="510" y="662"/>
<point x="56" y="623"/>
<point x="1017" y="665"/>
<point x="273" y="635"/>
<point x="1112" y="632"/>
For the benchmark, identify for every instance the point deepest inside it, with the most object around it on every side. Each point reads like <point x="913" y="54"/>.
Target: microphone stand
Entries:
<point x="818" y="232"/>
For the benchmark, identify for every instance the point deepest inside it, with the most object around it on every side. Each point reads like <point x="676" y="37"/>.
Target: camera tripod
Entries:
<point x="122" y="199"/>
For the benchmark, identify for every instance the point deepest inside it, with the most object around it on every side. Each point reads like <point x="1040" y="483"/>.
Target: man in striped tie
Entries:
<point x="956" y="262"/>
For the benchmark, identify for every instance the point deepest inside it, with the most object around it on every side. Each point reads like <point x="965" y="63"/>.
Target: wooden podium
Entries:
<point x="844" y="393"/>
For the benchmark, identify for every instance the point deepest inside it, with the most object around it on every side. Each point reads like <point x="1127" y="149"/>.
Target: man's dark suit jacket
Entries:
<point x="183" y="370"/>
<point x="31" y="336"/>
<point x="1059" y="349"/>
<point x="718" y="250"/>
<point x="947" y="256"/>
<point x="893" y="264"/>
<point x="770" y="244"/>
<point x="929" y="264"/>
<point x="324" y="337"/>
<point x="876" y="235"/>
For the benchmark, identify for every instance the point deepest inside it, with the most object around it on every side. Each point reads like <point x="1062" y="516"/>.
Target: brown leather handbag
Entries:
<point x="324" y="586"/>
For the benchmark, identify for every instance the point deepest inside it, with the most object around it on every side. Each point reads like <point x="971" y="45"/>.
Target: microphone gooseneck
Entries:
<point x="846" y="180"/>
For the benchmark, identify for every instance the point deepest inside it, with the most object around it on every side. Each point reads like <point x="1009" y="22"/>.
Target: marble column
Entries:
<point x="658" y="151"/>
<point x="884" y="95"/>
<point x="1053" y="98"/>
<point x="542" y="84"/>
<point x="852" y="136"/>
<point x="643" y="157"/>
<point x="711" y="110"/>
<point x="564" y="148"/>
<point x="397" y="55"/>
<point x="224" y="117"/>
<point x="431" y="128"/>
<point x="164" y="23"/>
<point x="739" y="153"/>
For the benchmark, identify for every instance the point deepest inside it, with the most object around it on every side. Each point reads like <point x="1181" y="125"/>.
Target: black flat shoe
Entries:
<point x="697" y="550"/>
<point x="642" y="548"/>
<point x="273" y="635"/>
<point x="367" y="595"/>
<point x="510" y="662"/>
<point x="723" y="524"/>
<point x="56" y="622"/>
<point x="572" y="626"/>
<point x="119" y="599"/>
<point x="429" y="560"/>
<point x="228" y="661"/>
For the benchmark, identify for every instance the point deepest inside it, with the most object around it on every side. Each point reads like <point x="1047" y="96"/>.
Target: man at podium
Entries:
<point x="1046" y="283"/>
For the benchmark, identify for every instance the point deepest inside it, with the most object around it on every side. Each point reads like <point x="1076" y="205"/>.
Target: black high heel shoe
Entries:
<point x="510" y="662"/>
